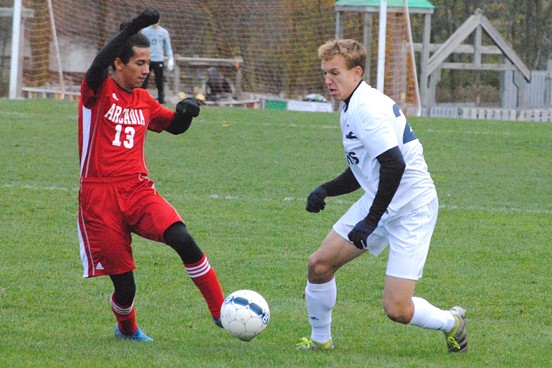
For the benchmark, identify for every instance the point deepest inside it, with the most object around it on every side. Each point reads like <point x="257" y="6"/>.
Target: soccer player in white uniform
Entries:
<point x="160" y="45"/>
<point x="399" y="206"/>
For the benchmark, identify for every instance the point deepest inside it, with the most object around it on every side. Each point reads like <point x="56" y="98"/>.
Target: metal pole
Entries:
<point x="381" y="44"/>
<point x="56" y="44"/>
<point x="413" y="58"/>
<point x="16" y="38"/>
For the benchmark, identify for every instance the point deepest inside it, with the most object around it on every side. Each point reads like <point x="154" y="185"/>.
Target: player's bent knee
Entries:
<point x="397" y="313"/>
<point x="318" y="270"/>
<point x="178" y="238"/>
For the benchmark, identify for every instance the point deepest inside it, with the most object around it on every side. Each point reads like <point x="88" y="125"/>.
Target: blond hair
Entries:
<point x="352" y="51"/>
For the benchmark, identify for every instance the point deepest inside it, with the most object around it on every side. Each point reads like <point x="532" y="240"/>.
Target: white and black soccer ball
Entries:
<point x="245" y="314"/>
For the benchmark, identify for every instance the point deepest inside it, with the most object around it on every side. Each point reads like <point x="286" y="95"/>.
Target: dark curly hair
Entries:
<point x="137" y="39"/>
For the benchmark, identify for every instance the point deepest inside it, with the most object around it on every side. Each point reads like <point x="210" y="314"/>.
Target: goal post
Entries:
<point x="412" y="57"/>
<point x="15" y="49"/>
<point x="401" y="77"/>
<point x="382" y="36"/>
<point x="391" y="65"/>
<point x="396" y="73"/>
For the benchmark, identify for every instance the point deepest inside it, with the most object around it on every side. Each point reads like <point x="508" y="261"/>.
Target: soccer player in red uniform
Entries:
<point x="116" y="198"/>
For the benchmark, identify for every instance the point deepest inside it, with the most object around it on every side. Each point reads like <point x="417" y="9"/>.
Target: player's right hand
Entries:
<point x="148" y="17"/>
<point x="315" y="201"/>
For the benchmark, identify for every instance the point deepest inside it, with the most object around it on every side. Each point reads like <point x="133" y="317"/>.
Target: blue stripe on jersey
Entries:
<point x="408" y="134"/>
<point x="397" y="110"/>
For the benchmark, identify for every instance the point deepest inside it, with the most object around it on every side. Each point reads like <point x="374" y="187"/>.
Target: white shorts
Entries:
<point x="408" y="234"/>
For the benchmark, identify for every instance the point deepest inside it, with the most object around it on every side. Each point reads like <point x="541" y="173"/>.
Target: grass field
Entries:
<point x="240" y="179"/>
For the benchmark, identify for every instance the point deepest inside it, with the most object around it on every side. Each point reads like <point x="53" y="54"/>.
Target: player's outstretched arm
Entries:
<point x="185" y="111"/>
<point x="97" y="73"/>
<point x="148" y="17"/>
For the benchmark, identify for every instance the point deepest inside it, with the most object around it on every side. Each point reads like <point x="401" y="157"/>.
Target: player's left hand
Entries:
<point x="360" y="233"/>
<point x="148" y="17"/>
<point x="188" y="106"/>
<point x="170" y="64"/>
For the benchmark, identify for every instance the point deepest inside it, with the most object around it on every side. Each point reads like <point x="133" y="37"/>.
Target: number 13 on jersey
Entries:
<point x="128" y="136"/>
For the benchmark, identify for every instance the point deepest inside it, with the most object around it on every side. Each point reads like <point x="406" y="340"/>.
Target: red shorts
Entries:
<point x="109" y="211"/>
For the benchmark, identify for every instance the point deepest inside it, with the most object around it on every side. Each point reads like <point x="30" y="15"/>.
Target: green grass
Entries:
<point x="240" y="178"/>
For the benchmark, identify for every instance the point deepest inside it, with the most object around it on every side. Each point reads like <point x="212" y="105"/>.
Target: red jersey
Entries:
<point x="112" y="129"/>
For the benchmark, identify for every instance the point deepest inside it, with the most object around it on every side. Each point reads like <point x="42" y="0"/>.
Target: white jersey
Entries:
<point x="372" y="123"/>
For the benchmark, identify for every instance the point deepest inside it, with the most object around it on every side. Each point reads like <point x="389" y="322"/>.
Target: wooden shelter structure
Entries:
<point x="433" y="57"/>
<point x="431" y="72"/>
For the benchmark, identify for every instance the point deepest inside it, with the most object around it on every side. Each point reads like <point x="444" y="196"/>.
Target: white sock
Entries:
<point x="430" y="317"/>
<point x="320" y="302"/>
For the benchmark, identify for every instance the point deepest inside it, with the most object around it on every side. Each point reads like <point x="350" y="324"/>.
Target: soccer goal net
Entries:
<point x="264" y="48"/>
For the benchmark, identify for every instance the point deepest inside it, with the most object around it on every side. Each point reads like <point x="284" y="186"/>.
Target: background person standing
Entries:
<point x="160" y="45"/>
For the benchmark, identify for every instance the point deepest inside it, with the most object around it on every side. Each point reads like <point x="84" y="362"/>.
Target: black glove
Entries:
<point x="148" y="17"/>
<point x="315" y="202"/>
<point x="188" y="106"/>
<point x="360" y="233"/>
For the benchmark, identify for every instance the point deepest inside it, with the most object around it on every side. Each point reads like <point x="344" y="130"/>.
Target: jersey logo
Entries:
<point x="115" y="97"/>
<point x="99" y="266"/>
<point x="125" y="116"/>
<point x="352" y="158"/>
<point x="350" y="135"/>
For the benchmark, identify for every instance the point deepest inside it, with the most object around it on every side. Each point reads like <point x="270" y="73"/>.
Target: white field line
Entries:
<point x="295" y="199"/>
<point x="36" y="187"/>
<point x="470" y="132"/>
<point x="341" y="201"/>
<point x="312" y="126"/>
<point x="497" y="210"/>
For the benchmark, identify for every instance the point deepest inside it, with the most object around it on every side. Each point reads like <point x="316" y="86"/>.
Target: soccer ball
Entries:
<point x="244" y="314"/>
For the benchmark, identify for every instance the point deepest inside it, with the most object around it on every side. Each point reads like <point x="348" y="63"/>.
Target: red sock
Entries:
<point x="126" y="317"/>
<point x="205" y="278"/>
